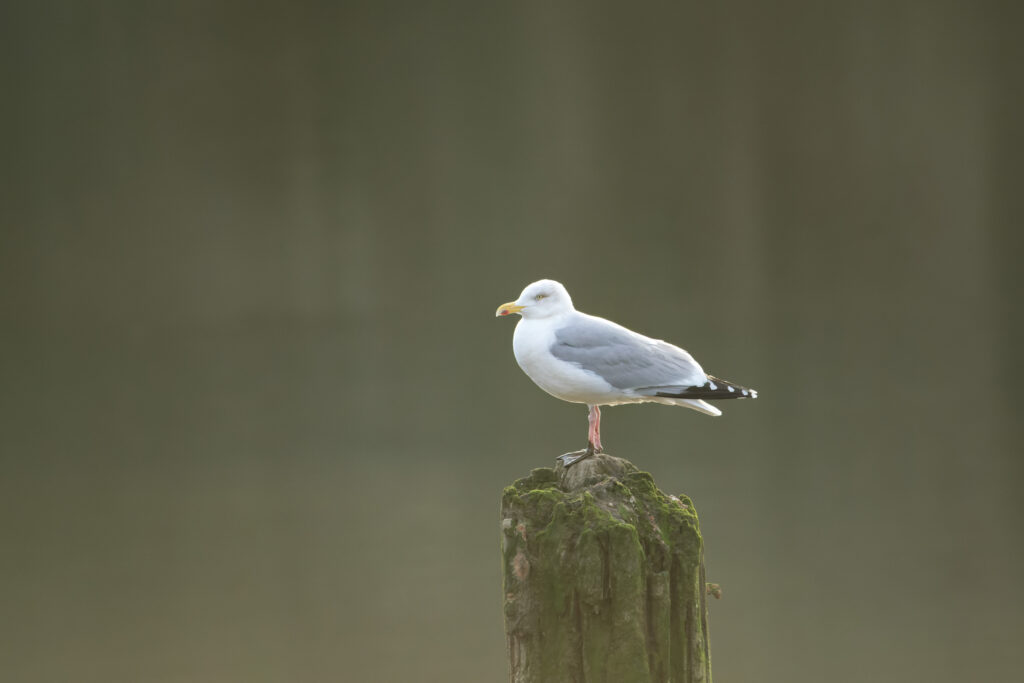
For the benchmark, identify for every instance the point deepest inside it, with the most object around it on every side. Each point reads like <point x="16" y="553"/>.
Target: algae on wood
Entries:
<point x="603" y="578"/>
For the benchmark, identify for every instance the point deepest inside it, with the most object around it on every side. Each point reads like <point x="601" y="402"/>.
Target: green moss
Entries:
<point x="540" y="478"/>
<point x="604" y="583"/>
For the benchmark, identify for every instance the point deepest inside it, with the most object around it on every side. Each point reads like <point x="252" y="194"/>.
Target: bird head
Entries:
<point x="540" y="299"/>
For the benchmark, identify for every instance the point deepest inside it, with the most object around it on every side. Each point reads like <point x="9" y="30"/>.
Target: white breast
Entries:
<point x="531" y="344"/>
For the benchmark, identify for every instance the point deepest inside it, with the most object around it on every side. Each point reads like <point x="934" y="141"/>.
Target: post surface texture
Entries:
<point x="603" y="578"/>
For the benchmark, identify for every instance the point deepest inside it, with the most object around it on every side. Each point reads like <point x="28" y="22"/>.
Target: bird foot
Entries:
<point x="570" y="459"/>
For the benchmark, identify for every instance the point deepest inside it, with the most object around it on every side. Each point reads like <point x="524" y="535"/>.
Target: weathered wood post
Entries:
<point x="603" y="578"/>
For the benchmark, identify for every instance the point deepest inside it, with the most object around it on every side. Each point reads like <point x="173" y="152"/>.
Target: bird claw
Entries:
<point x="570" y="459"/>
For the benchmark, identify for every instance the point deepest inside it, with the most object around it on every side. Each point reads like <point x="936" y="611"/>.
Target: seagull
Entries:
<point x="581" y="358"/>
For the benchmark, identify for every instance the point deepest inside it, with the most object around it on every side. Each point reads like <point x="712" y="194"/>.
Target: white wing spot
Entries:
<point x="745" y="392"/>
<point x="712" y="386"/>
<point x="731" y="389"/>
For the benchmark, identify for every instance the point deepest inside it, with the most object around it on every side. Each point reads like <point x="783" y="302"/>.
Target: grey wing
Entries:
<point x="624" y="359"/>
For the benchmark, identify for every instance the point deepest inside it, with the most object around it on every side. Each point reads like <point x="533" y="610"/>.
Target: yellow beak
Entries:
<point x="506" y="309"/>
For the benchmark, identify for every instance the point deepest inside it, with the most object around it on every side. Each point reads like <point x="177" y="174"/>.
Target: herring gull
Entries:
<point x="581" y="358"/>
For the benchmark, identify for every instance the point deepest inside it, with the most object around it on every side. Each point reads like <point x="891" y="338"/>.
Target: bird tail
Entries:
<point x="698" y="405"/>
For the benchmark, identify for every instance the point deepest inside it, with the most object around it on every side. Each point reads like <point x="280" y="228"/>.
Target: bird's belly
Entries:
<point x="570" y="383"/>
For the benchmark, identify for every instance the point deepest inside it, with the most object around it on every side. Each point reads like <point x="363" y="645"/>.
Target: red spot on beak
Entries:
<point x="504" y="312"/>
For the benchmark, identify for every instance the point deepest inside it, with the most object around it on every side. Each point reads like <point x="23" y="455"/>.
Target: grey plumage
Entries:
<point x="624" y="359"/>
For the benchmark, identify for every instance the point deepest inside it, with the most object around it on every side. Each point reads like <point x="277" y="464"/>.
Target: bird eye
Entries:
<point x="539" y="297"/>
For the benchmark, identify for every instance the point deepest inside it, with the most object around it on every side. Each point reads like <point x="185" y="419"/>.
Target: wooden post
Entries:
<point x="603" y="577"/>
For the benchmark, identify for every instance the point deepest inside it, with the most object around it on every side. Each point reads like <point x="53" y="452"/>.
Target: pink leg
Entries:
<point x="593" y="440"/>
<point x="594" y="435"/>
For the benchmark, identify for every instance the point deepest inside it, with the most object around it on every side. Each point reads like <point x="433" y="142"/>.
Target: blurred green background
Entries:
<point x="257" y="411"/>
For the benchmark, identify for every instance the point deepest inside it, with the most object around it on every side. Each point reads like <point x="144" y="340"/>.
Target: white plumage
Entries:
<point x="585" y="359"/>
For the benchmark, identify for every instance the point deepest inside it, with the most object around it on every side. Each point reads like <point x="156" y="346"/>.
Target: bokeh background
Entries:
<point x="257" y="413"/>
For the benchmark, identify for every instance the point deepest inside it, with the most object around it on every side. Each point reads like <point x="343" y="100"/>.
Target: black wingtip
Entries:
<point x="713" y="389"/>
